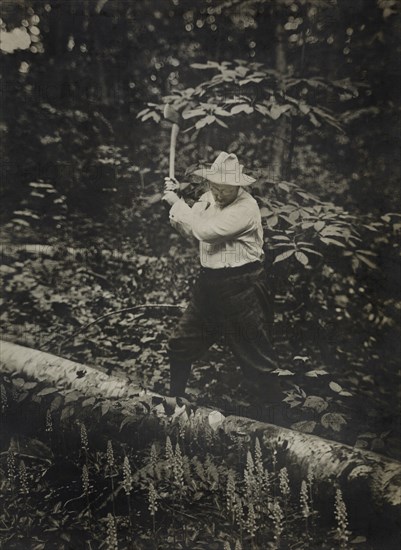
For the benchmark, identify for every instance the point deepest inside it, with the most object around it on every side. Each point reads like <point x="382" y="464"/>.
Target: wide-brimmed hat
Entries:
<point x="225" y="170"/>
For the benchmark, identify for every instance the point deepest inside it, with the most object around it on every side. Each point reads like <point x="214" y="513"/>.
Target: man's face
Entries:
<point x="223" y="194"/>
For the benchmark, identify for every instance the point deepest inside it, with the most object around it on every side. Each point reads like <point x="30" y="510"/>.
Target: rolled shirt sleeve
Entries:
<point x="226" y="225"/>
<point x="213" y="225"/>
<point x="181" y="218"/>
<point x="228" y="237"/>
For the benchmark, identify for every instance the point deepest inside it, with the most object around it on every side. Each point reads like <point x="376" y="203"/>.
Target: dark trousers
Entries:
<point x="235" y="305"/>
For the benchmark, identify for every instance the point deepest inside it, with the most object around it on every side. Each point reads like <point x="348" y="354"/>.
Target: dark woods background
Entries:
<point x="305" y="92"/>
<point x="73" y="95"/>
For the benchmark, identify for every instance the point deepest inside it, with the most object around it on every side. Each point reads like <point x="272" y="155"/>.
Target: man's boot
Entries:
<point x="179" y="374"/>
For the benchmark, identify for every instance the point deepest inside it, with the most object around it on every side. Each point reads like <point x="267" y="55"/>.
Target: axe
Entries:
<point x="173" y="116"/>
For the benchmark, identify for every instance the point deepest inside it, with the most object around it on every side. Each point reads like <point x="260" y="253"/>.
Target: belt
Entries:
<point x="231" y="271"/>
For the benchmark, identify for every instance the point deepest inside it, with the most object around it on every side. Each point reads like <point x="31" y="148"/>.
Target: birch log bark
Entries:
<point x="372" y="482"/>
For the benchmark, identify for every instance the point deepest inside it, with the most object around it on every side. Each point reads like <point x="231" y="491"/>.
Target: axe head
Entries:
<point x="171" y="114"/>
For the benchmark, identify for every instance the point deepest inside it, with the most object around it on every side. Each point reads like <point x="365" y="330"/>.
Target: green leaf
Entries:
<point x="143" y="112"/>
<point x="283" y="372"/>
<point x="302" y="258"/>
<point x="56" y="403"/>
<point x="208" y="65"/>
<point x="366" y="261"/>
<point x="316" y="403"/>
<point x="221" y="123"/>
<point x="262" y="109"/>
<point x="335" y="387"/>
<point x="21" y="222"/>
<point x="221" y="112"/>
<point x="22" y="396"/>
<point x="215" y="419"/>
<point x="294" y="215"/>
<point x="256" y="80"/>
<point x="307" y="225"/>
<point x="311" y="251"/>
<point x="272" y="221"/>
<point x="26" y="213"/>
<point x="128" y="420"/>
<point x="205" y="121"/>
<point x="151" y="114"/>
<point x="19" y="382"/>
<point x="265" y="212"/>
<point x="304" y="195"/>
<point x="88" y="402"/>
<point x="326" y="240"/>
<point x="40" y="185"/>
<point x="333" y="420"/>
<point x="332" y="231"/>
<point x="305" y="109"/>
<point x="314" y="120"/>
<point x="319" y="225"/>
<point x="281" y="238"/>
<point x="305" y="426"/>
<point x="242" y="108"/>
<point x="284" y="186"/>
<point x="316" y="372"/>
<point x="47" y="391"/>
<point x="358" y="540"/>
<point x="72" y="397"/>
<point x="283" y="256"/>
<point x="193" y="112"/>
<point x="292" y="401"/>
<point x="241" y="70"/>
<point x="277" y="246"/>
<point x="67" y="412"/>
<point x="277" y="110"/>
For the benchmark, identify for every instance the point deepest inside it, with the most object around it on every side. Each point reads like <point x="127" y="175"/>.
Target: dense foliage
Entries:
<point x="305" y="93"/>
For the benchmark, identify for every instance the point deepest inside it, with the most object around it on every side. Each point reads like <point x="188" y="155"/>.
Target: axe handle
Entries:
<point x="173" y="140"/>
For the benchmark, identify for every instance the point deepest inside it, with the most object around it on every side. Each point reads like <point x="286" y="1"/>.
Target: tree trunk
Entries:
<point x="279" y="142"/>
<point x="371" y="483"/>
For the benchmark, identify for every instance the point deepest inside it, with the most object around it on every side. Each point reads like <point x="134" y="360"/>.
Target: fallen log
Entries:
<point x="372" y="482"/>
<point x="39" y="249"/>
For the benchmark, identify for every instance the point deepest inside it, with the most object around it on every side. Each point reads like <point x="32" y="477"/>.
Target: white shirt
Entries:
<point x="228" y="237"/>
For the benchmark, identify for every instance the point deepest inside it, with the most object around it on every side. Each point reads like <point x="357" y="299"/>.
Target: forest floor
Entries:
<point x="52" y="302"/>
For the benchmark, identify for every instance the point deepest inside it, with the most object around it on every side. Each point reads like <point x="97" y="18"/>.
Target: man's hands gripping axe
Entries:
<point x="171" y="190"/>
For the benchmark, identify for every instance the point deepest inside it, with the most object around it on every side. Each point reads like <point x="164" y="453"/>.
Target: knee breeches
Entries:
<point x="237" y="309"/>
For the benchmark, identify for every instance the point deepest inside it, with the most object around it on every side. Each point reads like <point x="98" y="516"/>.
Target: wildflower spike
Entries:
<point x="340" y="513"/>
<point x="111" y="540"/>
<point x="304" y="500"/>
<point x="49" y="421"/>
<point x="23" y="478"/>
<point x="127" y="477"/>
<point x="153" y="497"/>
<point x="84" y="438"/>
<point x="11" y="468"/>
<point x="110" y="455"/>
<point x="284" y="482"/>
<point x="85" y="479"/>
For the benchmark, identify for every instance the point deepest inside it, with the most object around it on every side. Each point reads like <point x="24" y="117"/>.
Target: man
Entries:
<point x="231" y="298"/>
